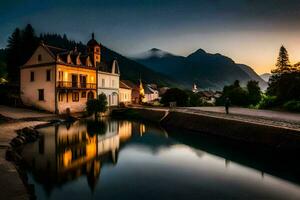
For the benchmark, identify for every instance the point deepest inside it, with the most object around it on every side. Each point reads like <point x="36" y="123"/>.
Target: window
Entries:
<point x="39" y="57"/>
<point x="103" y="82"/>
<point x="31" y="76"/>
<point x="41" y="95"/>
<point x="48" y="75"/>
<point x="83" y="95"/>
<point x="60" y="75"/>
<point x="91" y="95"/>
<point x="60" y="97"/>
<point x="75" y="96"/>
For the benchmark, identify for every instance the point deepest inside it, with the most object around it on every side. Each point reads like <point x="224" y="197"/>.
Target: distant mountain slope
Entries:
<point x="206" y="70"/>
<point x="254" y="76"/>
<point x="266" y="76"/>
<point x="130" y="69"/>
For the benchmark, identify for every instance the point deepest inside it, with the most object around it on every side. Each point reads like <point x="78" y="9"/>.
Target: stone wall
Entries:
<point x="257" y="134"/>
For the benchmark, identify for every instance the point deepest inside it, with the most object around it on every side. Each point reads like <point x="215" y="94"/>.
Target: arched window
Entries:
<point x="90" y="95"/>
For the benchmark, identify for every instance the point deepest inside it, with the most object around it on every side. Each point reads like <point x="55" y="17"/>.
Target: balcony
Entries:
<point x="75" y="85"/>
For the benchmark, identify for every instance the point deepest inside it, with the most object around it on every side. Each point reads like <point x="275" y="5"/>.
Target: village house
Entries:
<point x="60" y="80"/>
<point x="124" y="93"/>
<point x="151" y="93"/>
<point x="135" y="92"/>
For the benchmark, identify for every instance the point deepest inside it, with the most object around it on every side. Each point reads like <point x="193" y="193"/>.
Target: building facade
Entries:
<point x="108" y="74"/>
<point x="125" y="93"/>
<point x="60" y="80"/>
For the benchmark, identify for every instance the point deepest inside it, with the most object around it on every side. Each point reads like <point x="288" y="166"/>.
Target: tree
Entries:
<point x="175" y="95"/>
<point x="195" y="99"/>
<point x="94" y="106"/>
<point x="21" y="45"/>
<point x="254" y="93"/>
<point x="283" y="63"/>
<point x="285" y="82"/>
<point x="285" y="87"/>
<point x="103" y="102"/>
<point x="29" y="43"/>
<point x="14" y="55"/>
<point x="237" y="95"/>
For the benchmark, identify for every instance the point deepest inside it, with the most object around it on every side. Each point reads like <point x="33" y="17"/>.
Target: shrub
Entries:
<point x="93" y="106"/>
<point x="292" y="106"/>
<point x="267" y="102"/>
<point x="175" y="95"/>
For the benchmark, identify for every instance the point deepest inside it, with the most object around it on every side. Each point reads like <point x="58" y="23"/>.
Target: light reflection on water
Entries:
<point x="116" y="159"/>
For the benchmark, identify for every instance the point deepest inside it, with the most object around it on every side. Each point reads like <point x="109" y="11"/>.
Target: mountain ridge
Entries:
<point x="209" y="71"/>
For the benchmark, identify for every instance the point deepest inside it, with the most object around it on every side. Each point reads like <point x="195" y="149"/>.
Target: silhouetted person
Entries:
<point x="227" y="104"/>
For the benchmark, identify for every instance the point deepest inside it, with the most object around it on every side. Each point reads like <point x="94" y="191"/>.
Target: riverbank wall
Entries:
<point x="145" y="114"/>
<point x="241" y="131"/>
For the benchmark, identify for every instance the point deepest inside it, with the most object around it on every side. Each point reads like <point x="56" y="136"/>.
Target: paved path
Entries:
<point x="22" y="113"/>
<point x="11" y="186"/>
<point x="265" y="117"/>
<point x="275" y="115"/>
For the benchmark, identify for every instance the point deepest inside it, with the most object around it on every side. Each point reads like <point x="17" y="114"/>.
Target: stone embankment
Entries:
<point x="274" y="131"/>
<point x="13" y="184"/>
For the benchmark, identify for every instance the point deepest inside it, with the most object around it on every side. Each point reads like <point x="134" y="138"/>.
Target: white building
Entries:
<point x="108" y="75"/>
<point x="151" y="93"/>
<point x="108" y="82"/>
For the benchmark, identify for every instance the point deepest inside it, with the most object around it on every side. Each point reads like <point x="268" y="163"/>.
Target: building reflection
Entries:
<point x="65" y="153"/>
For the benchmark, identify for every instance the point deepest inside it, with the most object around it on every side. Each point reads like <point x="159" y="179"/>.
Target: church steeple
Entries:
<point x="141" y="92"/>
<point x="94" y="49"/>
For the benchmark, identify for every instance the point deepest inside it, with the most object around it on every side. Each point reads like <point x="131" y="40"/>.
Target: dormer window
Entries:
<point x="39" y="57"/>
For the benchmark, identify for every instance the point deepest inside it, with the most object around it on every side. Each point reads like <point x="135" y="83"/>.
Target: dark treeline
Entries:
<point x="284" y="83"/>
<point x="283" y="90"/>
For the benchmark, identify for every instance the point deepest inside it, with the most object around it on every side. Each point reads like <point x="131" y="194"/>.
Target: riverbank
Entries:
<point x="277" y="130"/>
<point x="13" y="119"/>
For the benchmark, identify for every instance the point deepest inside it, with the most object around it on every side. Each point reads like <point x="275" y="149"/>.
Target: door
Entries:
<point x="74" y="80"/>
<point x="82" y="81"/>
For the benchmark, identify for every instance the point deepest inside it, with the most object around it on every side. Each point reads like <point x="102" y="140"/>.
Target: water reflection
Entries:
<point x="116" y="159"/>
<point x="66" y="152"/>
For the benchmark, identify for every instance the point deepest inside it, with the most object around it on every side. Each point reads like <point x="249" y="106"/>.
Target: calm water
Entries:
<point x="119" y="159"/>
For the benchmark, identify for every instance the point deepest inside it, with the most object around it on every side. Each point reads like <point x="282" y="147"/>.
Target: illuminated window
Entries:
<point x="75" y="96"/>
<point x="60" y="97"/>
<point x="83" y="95"/>
<point x="60" y="75"/>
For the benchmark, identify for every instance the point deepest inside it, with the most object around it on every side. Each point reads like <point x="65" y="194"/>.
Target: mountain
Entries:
<point x="266" y="76"/>
<point x="130" y="69"/>
<point x="254" y="76"/>
<point x="208" y="71"/>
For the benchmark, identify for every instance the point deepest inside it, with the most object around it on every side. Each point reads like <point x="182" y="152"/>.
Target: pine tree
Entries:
<point x="29" y="43"/>
<point x="14" y="55"/>
<point x="21" y="45"/>
<point x="283" y="63"/>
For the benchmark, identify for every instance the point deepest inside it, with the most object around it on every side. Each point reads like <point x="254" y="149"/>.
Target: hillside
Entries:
<point x="208" y="71"/>
<point x="266" y="76"/>
<point x="254" y="76"/>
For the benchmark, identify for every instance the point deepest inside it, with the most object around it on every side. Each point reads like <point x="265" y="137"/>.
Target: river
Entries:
<point x="123" y="159"/>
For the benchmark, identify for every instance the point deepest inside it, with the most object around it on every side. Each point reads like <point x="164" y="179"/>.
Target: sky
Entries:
<point x="248" y="31"/>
